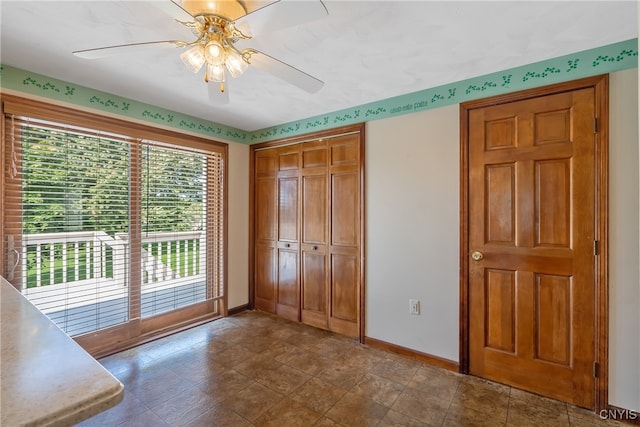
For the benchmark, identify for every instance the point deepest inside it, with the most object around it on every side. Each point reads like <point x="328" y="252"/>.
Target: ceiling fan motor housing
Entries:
<point x="229" y="9"/>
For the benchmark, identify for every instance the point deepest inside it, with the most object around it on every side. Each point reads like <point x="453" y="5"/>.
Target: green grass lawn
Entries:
<point x="58" y="271"/>
<point x="189" y="255"/>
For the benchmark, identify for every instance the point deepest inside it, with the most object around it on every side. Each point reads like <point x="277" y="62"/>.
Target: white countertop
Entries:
<point x="46" y="379"/>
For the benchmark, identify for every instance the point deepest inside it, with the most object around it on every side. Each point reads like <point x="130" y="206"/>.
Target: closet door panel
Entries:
<point x="314" y="275"/>
<point x="314" y="155"/>
<point x="265" y="164"/>
<point x="345" y="295"/>
<point x="265" y="208"/>
<point x="345" y="209"/>
<point x="314" y="209"/>
<point x="345" y="151"/>
<point x="265" y="278"/>
<point x="288" y="289"/>
<point x="288" y="209"/>
<point x="289" y="158"/>
<point x="344" y="272"/>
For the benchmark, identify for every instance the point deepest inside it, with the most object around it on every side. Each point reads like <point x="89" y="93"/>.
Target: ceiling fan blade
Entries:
<point x="282" y="14"/>
<point x="286" y="72"/>
<point x="172" y="9"/>
<point x="103" y="52"/>
<point x="216" y="96"/>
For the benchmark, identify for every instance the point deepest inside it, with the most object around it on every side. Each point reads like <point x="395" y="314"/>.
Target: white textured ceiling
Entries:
<point x="364" y="51"/>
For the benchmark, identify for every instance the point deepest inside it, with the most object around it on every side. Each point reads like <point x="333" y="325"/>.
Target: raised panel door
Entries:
<point x="531" y="216"/>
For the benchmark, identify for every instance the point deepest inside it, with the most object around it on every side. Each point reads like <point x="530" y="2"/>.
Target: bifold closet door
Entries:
<point x="307" y="231"/>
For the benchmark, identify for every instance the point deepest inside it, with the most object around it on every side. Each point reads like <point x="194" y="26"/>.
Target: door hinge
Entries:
<point x="596" y="247"/>
<point x="596" y="369"/>
<point x="595" y="125"/>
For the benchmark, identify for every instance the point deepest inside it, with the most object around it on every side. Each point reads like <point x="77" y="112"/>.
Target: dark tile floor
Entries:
<point x="255" y="369"/>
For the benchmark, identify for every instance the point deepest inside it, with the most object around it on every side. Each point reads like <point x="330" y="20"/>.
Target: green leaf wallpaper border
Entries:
<point x="36" y="84"/>
<point x="601" y="60"/>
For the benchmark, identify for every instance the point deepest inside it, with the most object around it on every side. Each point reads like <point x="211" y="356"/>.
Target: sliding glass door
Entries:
<point x="109" y="234"/>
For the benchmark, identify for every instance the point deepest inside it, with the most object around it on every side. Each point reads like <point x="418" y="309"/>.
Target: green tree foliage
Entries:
<point x="172" y="190"/>
<point x="75" y="182"/>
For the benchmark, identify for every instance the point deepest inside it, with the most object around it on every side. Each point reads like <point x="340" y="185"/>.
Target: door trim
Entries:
<point x="600" y="84"/>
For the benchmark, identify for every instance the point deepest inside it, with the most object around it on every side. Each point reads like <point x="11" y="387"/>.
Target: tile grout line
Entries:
<point x="446" y="415"/>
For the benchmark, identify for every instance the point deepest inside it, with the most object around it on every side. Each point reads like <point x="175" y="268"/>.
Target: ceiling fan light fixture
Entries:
<point x="215" y="73"/>
<point x="193" y="58"/>
<point x="235" y="64"/>
<point x="214" y="53"/>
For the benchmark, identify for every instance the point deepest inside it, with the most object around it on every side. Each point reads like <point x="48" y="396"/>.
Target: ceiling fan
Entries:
<point x="218" y="26"/>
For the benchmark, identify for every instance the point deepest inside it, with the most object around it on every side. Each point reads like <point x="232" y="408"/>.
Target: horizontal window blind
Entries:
<point x="69" y="209"/>
<point x="102" y="229"/>
<point x="178" y="216"/>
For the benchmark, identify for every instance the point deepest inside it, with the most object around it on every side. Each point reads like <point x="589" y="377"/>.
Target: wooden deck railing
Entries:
<point x="52" y="258"/>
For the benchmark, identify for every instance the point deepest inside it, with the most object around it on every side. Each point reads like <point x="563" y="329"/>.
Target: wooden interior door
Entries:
<point x="531" y="244"/>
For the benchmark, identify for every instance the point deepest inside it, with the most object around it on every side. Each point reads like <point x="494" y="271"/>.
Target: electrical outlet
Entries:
<point x="414" y="306"/>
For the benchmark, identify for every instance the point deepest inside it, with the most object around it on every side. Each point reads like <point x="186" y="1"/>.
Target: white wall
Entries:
<point x="238" y="217"/>
<point x="412" y="191"/>
<point x="624" y="253"/>
<point x="412" y="208"/>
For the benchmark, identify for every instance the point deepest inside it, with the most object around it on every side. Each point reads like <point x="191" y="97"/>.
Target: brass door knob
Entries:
<point x="477" y="256"/>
